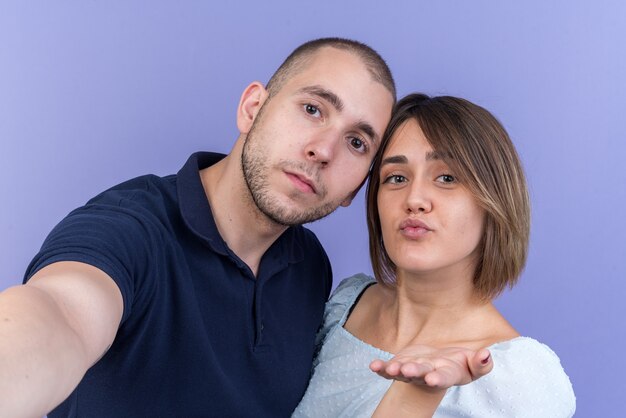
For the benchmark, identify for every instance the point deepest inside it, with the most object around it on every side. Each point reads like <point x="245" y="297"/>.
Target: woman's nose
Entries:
<point x="418" y="199"/>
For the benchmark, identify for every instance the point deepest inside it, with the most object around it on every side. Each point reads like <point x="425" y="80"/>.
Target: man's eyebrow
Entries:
<point x="395" y="159"/>
<point x="325" y="94"/>
<point x="367" y="129"/>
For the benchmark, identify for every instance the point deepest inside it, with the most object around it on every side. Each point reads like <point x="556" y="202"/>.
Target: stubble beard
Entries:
<point x="256" y="169"/>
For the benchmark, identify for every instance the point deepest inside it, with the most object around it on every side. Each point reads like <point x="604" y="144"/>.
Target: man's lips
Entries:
<point x="302" y="183"/>
<point x="414" y="228"/>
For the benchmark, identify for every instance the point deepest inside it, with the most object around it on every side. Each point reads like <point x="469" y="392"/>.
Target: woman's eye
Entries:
<point x="312" y="110"/>
<point x="358" y="144"/>
<point x="446" y="178"/>
<point x="395" y="179"/>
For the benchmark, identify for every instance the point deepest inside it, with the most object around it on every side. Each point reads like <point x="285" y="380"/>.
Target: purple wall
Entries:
<point x="92" y="93"/>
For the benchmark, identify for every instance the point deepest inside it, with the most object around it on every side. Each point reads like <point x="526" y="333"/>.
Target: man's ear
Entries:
<point x="250" y="103"/>
<point x="346" y="202"/>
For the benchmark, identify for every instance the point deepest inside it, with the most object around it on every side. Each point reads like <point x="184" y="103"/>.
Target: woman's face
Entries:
<point x="430" y="222"/>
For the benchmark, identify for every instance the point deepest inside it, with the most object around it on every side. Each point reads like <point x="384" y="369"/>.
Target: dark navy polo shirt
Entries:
<point x="200" y="335"/>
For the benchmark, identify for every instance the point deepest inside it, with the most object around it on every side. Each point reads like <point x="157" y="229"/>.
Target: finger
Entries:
<point x="445" y="377"/>
<point x="436" y="380"/>
<point x="393" y="368"/>
<point x="384" y="375"/>
<point x="481" y="364"/>
<point x="377" y="365"/>
<point x="416" y="370"/>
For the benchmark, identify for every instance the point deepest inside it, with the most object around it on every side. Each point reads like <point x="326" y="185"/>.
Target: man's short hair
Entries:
<point x="299" y="57"/>
<point x="480" y="153"/>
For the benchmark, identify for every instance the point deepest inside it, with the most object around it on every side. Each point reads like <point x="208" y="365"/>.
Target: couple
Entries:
<point x="200" y="294"/>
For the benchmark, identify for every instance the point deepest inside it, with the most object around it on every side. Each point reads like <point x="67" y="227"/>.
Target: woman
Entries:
<point x="448" y="218"/>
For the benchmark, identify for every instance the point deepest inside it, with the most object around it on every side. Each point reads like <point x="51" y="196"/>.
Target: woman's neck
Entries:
<point x="423" y="309"/>
<point x="432" y="310"/>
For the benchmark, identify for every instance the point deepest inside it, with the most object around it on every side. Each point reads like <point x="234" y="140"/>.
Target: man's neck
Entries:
<point x="245" y="229"/>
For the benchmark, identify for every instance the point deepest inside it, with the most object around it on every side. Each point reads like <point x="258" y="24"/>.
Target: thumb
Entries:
<point x="481" y="364"/>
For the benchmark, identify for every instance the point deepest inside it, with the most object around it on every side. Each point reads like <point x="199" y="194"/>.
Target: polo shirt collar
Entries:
<point x="197" y="215"/>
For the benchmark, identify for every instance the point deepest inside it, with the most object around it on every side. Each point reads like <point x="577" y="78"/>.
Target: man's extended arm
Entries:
<point x="51" y="331"/>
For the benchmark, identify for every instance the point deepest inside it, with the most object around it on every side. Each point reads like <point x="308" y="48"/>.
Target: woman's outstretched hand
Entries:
<point x="437" y="368"/>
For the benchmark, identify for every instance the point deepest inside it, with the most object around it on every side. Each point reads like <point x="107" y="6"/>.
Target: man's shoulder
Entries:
<point x="145" y="188"/>
<point x="144" y="183"/>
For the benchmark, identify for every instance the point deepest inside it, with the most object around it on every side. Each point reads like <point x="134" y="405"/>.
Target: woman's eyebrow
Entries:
<point x="438" y="155"/>
<point x="433" y="155"/>
<point x="395" y="159"/>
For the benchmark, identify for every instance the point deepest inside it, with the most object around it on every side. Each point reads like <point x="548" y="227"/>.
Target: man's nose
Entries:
<point x="321" y="149"/>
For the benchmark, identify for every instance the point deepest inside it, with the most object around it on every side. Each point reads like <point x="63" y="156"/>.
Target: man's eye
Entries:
<point x="358" y="144"/>
<point x="394" y="179"/>
<point x="446" y="178"/>
<point x="311" y="110"/>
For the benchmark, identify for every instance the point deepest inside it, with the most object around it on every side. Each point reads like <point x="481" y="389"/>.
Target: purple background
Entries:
<point x="95" y="92"/>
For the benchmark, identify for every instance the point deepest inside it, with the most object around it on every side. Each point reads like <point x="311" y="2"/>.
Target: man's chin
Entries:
<point x="296" y="216"/>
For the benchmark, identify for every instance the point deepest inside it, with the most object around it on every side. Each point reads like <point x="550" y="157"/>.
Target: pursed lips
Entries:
<point x="414" y="228"/>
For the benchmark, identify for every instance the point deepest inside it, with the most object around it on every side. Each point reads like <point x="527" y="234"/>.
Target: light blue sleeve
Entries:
<point x="527" y="381"/>
<point x="339" y="304"/>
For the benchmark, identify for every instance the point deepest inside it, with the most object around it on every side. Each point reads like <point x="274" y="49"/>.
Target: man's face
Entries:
<point x="311" y="144"/>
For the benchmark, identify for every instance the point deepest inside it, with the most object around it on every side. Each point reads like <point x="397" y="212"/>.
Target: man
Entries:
<point x="200" y="294"/>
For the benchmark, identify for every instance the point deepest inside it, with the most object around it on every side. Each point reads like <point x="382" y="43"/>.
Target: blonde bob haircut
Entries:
<point x="479" y="151"/>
